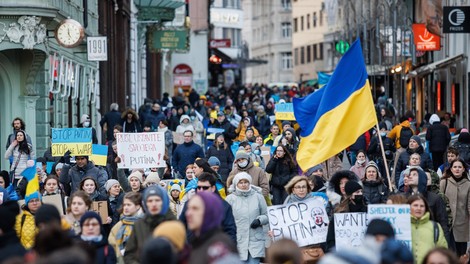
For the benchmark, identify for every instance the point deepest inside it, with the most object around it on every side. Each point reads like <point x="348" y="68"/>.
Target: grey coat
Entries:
<point x="246" y="207"/>
<point x="76" y="174"/>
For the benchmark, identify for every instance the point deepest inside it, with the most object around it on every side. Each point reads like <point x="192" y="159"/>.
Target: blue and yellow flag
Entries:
<point x="32" y="189"/>
<point x="333" y="117"/>
<point x="323" y="79"/>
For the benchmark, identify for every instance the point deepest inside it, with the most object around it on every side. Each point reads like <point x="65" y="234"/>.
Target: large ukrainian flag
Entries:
<point x="333" y="117"/>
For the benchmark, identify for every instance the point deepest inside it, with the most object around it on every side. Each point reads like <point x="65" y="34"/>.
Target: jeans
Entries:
<point x="252" y="260"/>
<point x="279" y="195"/>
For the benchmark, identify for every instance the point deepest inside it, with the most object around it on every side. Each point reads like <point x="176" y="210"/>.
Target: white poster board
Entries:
<point x="141" y="150"/>
<point x="304" y="222"/>
<point x="398" y="215"/>
<point x="350" y="229"/>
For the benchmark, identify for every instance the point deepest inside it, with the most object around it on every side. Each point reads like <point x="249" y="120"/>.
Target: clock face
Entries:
<point x="69" y="33"/>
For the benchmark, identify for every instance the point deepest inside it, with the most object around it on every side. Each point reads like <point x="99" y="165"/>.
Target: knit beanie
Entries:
<point x="380" y="227"/>
<point x="29" y="197"/>
<point x="213" y="161"/>
<point x="291" y="130"/>
<point x="110" y="183"/>
<point x="213" y="211"/>
<point x="173" y="231"/>
<point x="242" y="176"/>
<point x="46" y="214"/>
<point x="158" y="250"/>
<point x="373" y="164"/>
<point x="241" y="155"/>
<point x="59" y="166"/>
<point x="152" y="178"/>
<point x="314" y="169"/>
<point x="175" y="186"/>
<point x="136" y="174"/>
<point x="351" y="187"/>
<point x="417" y="139"/>
<point x="8" y="211"/>
<point x="158" y="191"/>
<point x="89" y="215"/>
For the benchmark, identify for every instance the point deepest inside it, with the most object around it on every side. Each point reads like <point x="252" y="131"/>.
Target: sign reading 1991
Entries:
<point x="97" y="48"/>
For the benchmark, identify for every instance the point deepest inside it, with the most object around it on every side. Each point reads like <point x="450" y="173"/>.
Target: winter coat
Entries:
<point x="263" y="124"/>
<point x="186" y="154"/>
<point x="422" y="237"/>
<point x="359" y="169"/>
<point x="168" y="140"/>
<point x="463" y="146"/>
<point x="111" y="119"/>
<point x="10" y="246"/>
<point x="132" y="127"/>
<point x="426" y="161"/>
<point x="212" y="241"/>
<point x="229" y="130"/>
<point x="12" y="138"/>
<point x="246" y="207"/>
<point x="333" y="190"/>
<point x="183" y="127"/>
<point x="258" y="176"/>
<point x="26" y="229"/>
<point x="280" y="171"/>
<point x="375" y="192"/>
<point x="75" y="175"/>
<point x="154" y="117"/>
<point x="176" y="206"/>
<point x="114" y="205"/>
<point x="112" y="238"/>
<point x="458" y="194"/>
<point x="23" y="159"/>
<point x="394" y="134"/>
<point x="225" y="157"/>
<point x="143" y="230"/>
<point x="104" y="253"/>
<point x="438" y="136"/>
<point x="375" y="152"/>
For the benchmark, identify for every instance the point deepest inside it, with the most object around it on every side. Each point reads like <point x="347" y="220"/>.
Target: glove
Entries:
<point x="255" y="224"/>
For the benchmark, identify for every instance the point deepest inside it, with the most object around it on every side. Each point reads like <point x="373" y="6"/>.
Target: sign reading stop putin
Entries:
<point x="425" y="40"/>
<point x="220" y="43"/>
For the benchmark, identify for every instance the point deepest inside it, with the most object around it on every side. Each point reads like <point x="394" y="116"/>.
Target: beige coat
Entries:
<point x="458" y="194"/>
<point x="257" y="174"/>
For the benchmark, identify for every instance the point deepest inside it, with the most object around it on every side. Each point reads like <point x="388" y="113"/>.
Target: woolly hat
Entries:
<point x="314" y="169"/>
<point x="249" y="128"/>
<point x="373" y="164"/>
<point x="242" y="176"/>
<point x="153" y="190"/>
<point x="291" y="130"/>
<point x="158" y="250"/>
<point x="34" y="195"/>
<point x="219" y="135"/>
<point x="152" y="178"/>
<point x="46" y="214"/>
<point x="220" y="113"/>
<point x="59" y="166"/>
<point x="241" y="155"/>
<point x="8" y="210"/>
<point x="202" y="97"/>
<point x="351" y="187"/>
<point x="213" y="211"/>
<point x="284" y="123"/>
<point x="417" y="139"/>
<point x="89" y="215"/>
<point x="213" y="161"/>
<point x="380" y="227"/>
<point x="136" y="174"/>
<point x="173" y="231"/>
<point x="84" y="118"/>
<point x="382" y="125"/>
<point x="464" y="130"/>
<point x="110" y="184"/>
<point x="175" y="186"/>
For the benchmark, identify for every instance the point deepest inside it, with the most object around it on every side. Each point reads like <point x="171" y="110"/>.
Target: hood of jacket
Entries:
<point x="183" y="117"/>
<point x="333" y="184"/>
<point x="464" y="137"/>
<point x="434" y="118"/>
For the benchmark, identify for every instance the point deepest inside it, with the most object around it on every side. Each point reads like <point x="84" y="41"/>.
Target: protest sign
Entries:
<point x="304" y="222"/>
<point x="99" y="154"/>
<point x="397" y="215"/>
<point x="350" y="229"/>
<point x="266" y="153"/>
<point x="56" y="201"/>
<point x="101" y="208"/>
<point x="75" y="140"/>
<point x="178" y="138"/>
<point x="284" y="111"/>
<point x="141" y="150"/>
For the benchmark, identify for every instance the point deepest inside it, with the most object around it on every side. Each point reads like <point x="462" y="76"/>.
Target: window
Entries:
<point x="302" y="23"/>
<point x="302" y="55"/>
<point x="286" y="60"/>
<point x="286" y="4"/>
<point x="308" y="21"/>
<point x="320" y="55"/>
<point x="231" y="4"/>
<point x="234" y="34"/>
<point x="321" y="18"/>
<point x="314" y="19"/>
<point x="309" y="54"/>
<point x="296" y="56"/>
<point x="314" y="52"/>
<point x="295" y="25"/>
<point x="286" y="29"/>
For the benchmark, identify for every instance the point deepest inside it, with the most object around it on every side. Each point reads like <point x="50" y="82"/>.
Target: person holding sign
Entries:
<point x="425" y="233"/>
<point x="250" y="212"/>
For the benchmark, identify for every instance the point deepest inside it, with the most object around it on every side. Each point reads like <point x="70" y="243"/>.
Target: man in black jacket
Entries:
<point x="111" y="118"/>
<point x="229" y="130"/>
<point x="439" y="137"/>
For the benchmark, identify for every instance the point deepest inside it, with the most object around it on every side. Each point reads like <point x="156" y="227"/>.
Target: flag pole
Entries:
<point x="384" y="158"/>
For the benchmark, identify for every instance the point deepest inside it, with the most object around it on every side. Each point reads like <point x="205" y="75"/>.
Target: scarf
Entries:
<point x="164" y="129"/>
<point x="125" y="230"/>
<point x="97" y="238"/>
<point x="294" y="198"/>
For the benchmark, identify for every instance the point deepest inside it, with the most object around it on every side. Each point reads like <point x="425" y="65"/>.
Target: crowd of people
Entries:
<point x="227" y="160"/>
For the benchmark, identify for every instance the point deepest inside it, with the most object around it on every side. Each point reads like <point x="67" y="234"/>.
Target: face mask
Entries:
<point x="257" y="152"/>
<point x="242" y="92"/>
<point x="383" y="134"/>
<point x="361" y="161"/>
<point x="86" y="123"/>
<point x="243" y="164"/>
<point x="358" y="199"/>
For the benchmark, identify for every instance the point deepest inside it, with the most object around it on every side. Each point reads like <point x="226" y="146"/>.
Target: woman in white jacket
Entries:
<point x="250" y="212"/>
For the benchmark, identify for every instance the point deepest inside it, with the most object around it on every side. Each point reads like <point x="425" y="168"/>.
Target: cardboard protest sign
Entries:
<point x="266" y="153"/>
<point x="284" y="111"/>
<point x="350" y="229"/>
<point x="398" y="215"/>
<point x="178" y="138"/>
<point x="55" y="200"/>
<point x="101" y="208"/>
<point x="99" y="154"/>
<point x="141" y="150"/>
<point x="304" y="222"/>
<point x="75" y="140"/>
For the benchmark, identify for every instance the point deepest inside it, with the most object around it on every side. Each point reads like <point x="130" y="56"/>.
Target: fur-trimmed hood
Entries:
<point x="333" y="191"/>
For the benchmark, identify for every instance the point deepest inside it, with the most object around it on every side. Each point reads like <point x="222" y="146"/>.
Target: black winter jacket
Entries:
<point x="225" y="157"/>
<point x="438" y="136"/>
<point x="426" y="162"/>
<point x="375" y="192"/>
<point x="281" y="172"/>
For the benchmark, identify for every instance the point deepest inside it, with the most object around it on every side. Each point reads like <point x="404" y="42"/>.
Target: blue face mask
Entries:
<point x="383" y="134"/>
<point x="257" y="152"/>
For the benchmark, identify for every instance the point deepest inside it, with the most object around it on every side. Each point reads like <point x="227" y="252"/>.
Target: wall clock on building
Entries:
<point x="69" y="33"/>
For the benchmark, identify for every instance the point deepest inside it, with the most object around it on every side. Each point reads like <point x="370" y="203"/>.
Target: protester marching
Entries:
<point x="250" y="174"/>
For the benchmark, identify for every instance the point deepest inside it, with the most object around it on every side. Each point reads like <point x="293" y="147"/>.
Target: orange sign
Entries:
<point x="425" y="40"/>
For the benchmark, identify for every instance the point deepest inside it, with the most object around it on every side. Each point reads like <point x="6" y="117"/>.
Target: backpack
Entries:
<point x="464" y="151"/>
<point x="405" y="134"/>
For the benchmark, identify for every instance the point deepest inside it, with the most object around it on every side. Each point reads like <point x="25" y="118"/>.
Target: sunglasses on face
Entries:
<point x="203" y="188"/>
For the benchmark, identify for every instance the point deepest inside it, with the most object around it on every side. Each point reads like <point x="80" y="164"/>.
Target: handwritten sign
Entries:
<point x="304" y="222"/>
<point x="397" y="215"/>
<point x="141" y="150"/>
<point x="101" y="208"/>
<point x="55" y="200"/>
<point x="350" y="229"/>
<point x="284" y="111"/>
<point x="266" y="153"/>
<point x="178" y="138"/>
<point x="75" y="140"/>
<point x="99" y="154"/>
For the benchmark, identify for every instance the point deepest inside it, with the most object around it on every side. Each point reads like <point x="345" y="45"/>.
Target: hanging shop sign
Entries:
<point x="170" y="39"/>
<point x="456" y="19"/>
<point x="425" y="40"/>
